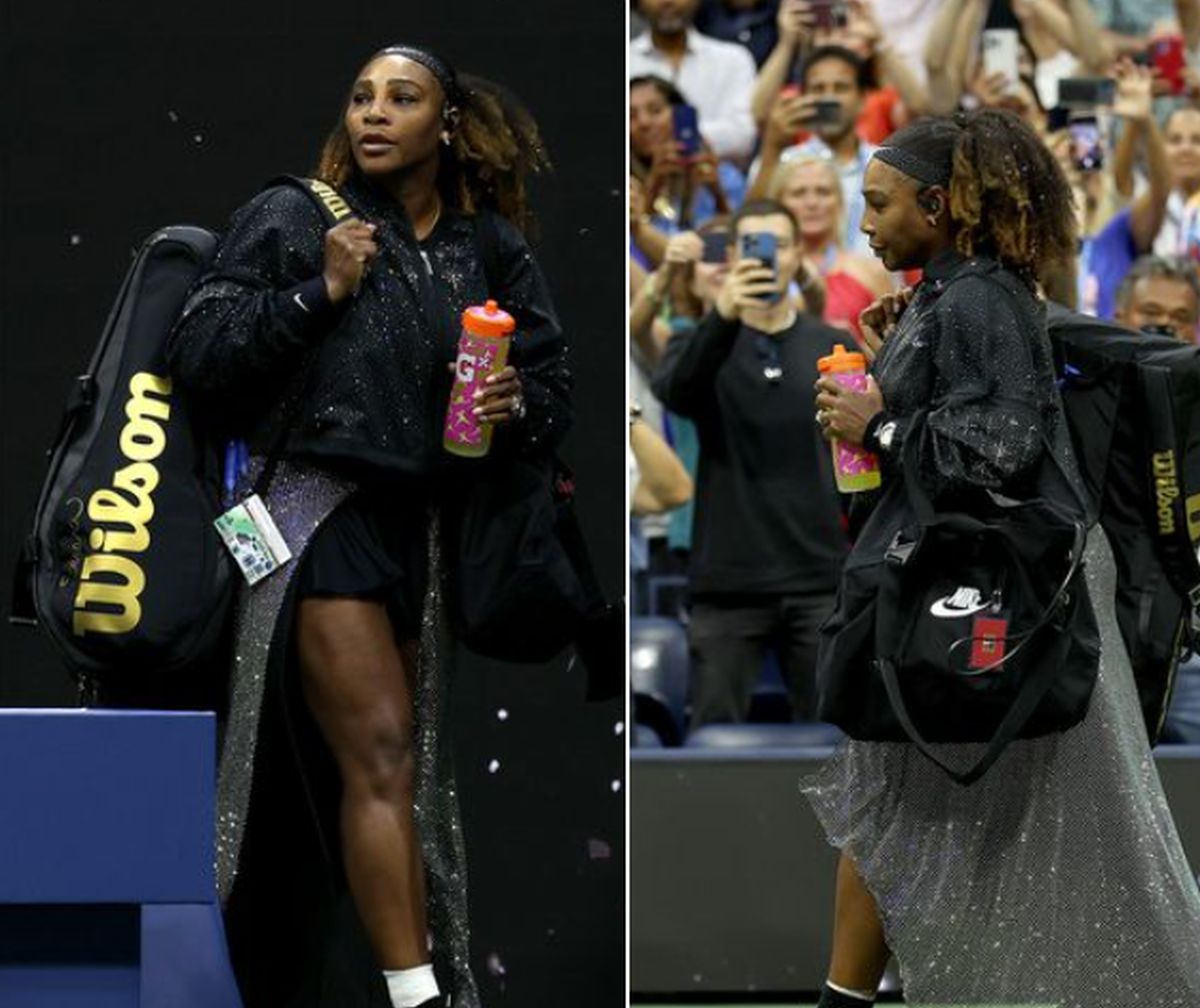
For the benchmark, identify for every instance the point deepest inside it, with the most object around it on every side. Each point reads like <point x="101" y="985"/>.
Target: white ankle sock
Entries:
<point x="868" y="996"/>
<point x="410" y="987"/>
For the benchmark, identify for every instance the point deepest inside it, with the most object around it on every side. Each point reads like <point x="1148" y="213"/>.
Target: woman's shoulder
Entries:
<point x="280" y="222"/>
<point x="281" y="202"/>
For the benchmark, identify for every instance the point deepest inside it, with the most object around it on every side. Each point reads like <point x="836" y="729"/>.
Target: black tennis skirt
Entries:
<point x="374" y="547"/>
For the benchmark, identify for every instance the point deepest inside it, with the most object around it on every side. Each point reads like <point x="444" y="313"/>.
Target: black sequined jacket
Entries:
<point x="370" y="373"/>
<point x="971" y="349"/>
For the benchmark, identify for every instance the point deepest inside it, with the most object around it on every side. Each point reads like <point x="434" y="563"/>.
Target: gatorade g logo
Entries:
<point x="465" y="368"/>
<point x="110" y="577"/>
<point x="1166" y="490"/>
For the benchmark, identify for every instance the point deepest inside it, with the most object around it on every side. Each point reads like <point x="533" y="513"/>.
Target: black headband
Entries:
<point x="439" y="68"/>
<point x="915" y="166"/>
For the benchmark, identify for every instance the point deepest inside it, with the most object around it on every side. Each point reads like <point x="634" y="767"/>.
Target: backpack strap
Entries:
<point x="1165" y="482"/>
<point x="334" y="209"/>
<point x="323" y="196"/>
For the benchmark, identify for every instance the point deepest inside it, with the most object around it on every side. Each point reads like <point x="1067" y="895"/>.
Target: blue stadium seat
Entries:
<point x="659" y="665"/>
<point x="645" y="737"/>
<point x="764" y="736"/>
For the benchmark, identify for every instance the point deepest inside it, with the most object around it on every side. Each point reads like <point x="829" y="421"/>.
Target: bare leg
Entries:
<point x="860" y="954"/>
<point x="356" y="683"/>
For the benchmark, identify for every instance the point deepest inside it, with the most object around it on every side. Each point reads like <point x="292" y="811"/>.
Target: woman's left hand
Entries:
<point x="844" y="413"/>
<point x="500" y="400"/>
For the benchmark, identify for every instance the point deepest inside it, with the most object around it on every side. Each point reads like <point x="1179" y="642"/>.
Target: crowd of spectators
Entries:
<point x="759" y="116"/>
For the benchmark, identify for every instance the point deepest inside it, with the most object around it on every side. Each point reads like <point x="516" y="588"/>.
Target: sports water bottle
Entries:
<point x="854" y="468"/>
<point x="482" y="352"/>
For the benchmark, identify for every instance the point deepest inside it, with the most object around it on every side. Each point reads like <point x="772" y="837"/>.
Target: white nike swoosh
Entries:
<point x="942" y="609"/>
<point x="296" y="298"/>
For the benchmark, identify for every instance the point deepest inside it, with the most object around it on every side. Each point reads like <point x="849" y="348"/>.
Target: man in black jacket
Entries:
<point x="769" y="538"/>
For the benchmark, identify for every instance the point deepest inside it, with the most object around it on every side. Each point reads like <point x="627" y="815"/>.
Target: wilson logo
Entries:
<point x="329" y="196"/>
<point x="1166" y="490"/>
<point x="111" y="580"/>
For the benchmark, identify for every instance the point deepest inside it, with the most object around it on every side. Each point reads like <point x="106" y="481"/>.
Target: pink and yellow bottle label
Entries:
<point x="854" y="468"/>
<point x="478" y="358"/>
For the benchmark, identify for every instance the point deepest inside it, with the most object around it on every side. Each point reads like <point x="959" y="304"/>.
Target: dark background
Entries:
<point x="123" y="117"/>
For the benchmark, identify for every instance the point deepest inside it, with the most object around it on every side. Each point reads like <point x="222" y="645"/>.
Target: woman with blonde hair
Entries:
<point x="810" y="187"/>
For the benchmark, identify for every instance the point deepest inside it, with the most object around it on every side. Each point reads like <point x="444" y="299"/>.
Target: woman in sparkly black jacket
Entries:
<point x="1058" y="878"/>
<point x="332" y="770"/>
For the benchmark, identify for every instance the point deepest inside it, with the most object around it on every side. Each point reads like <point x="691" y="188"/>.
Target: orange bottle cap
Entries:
<point x="488" y="320"/>
<point x="842" y="360"/>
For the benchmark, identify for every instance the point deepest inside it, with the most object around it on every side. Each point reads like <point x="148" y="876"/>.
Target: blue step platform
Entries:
<point x="107" y="894"/>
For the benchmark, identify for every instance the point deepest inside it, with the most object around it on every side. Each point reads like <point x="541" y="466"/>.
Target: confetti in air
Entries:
<point x="495" y="965"/>
<point x="616" y="786"/>
<point x="493" y="766"/>
<point x="502" y="714"/>
<point x="598" y="850"/>
<point x="198" y="138"/>
<point x="619" y="728"/>
<point x="173" y="115"/>
<point x="76" y="239"/>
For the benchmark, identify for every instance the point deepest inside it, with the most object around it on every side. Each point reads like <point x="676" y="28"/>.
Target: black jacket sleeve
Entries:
<point x="986" y="420"/>
<point x="250" y="319"/>
<point x="539" y="349"/>
<point x="685" y="378"/>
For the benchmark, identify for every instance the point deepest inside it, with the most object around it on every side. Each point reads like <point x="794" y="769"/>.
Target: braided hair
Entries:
<point x="1008" y="196"/>
<point x="495" y="145"/>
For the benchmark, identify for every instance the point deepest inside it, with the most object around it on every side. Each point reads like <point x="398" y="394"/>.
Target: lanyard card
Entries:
<point x="253" y="539"/>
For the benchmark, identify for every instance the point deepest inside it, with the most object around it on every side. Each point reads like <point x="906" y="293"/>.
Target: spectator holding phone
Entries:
<point x="1109" y="249"/>
<point x="894" y="94"/>
<point x="763" y="565"/>
<point x="683" y="182"/>
<point x="828" y="105"/>
<point x="810" y="187"/>
<point x="716" y="76"/>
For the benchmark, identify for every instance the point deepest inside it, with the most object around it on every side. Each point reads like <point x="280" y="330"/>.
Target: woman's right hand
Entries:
<point x="349" y="248"/>
<point x="795" y="22"/>
<point x="683" y="248"/>
<point x="878" y="321"/>
<point x="666" y="163"/>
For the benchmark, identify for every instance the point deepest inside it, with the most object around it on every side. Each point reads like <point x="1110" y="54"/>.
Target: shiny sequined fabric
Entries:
<point x="300" y="499"/>
<point x="363" y="387"/>
<point x="1058" y="879"/>
<point x="371" y="372"/>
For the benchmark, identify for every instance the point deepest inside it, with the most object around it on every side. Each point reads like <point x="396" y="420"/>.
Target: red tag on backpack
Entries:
<point x="989" y="638"/>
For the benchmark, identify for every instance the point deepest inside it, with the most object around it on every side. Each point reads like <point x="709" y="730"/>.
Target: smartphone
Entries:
<point x="761" y="245"/>
<point x="1087" y="144"/>
<point x="1057" y="118"/>
<point x="825" y="113"/>
<point x="716" y="247"/>
<point x="1086" y="92"/>
<point x="828" y="14"/>
<point x="1000" y="55"/>
<point x="687" y="128"/>
<point x="1167" y="56"/>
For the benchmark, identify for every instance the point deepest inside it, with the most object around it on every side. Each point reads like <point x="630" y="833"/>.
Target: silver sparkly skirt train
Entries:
<point x="300" y="500"/>
<point x="1057" y="880"/>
